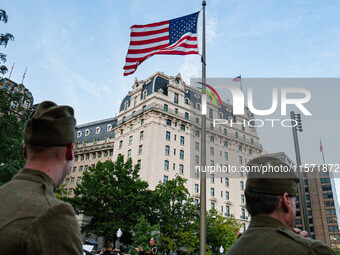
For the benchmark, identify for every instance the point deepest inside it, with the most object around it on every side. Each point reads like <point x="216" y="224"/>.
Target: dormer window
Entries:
<point x="95" y="141"/>
<point x="145" y="94"/>
<point x="79" y="134"/>
<point x="109" y="128"/>
<point x="186" y="101"/>
<point x="107" y="139"/>
<point x="87" y="132"/>
<point x="98" y="130"/>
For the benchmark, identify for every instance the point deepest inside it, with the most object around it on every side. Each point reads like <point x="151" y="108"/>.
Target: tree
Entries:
<point x="12" y="123"/>
<point x="220" y="231"/>
<point x="176" y="214"/>
<point x="113" y="196"/>
<point x="143" y="232"/>
<point x="4" y="39"/>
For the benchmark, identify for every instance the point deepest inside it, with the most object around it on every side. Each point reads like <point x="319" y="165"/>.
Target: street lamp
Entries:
<point x="119" y="234"/>
<point x="221" y="249"/>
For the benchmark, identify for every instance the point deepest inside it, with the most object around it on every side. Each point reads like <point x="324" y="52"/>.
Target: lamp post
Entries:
<point x="119" y="234"/>
<point x="296" y="119"/>
<point x="221" y="249"/>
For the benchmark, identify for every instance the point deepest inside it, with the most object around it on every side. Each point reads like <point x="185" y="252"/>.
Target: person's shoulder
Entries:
<point x="314" y="246"/>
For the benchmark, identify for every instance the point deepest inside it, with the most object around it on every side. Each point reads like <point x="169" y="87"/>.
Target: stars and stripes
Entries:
<point x="176" y="36"/>
<point x="237" y="78"/>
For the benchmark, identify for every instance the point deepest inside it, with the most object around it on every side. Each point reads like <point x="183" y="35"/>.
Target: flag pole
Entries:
<point x="23" y="77"/>
<point x="9" y="77"/>
<point x="241" y="82"/>
<point x="203" y="188"/>
<point x="321" y="149"/>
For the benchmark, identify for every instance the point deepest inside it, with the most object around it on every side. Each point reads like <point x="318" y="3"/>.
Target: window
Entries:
<point x="109" y="128"/>
<point x="186" y="101"/>
<point x="198" y="107"/>
<point x="236" y="135"/>
<point x="79" y="134"/>
<point x="227" y="211"/>
<point x="167" y="135"/>
<point x="196" y="202"/>
<point x="168" y="122"/>
<point x="74" y="169"/>
<point x="129" y="154"/>
<point x="186" y="116"/>
<point x="140" y="149"/>
<point x="334" y="237"/>
<point x="176" y="98"/>
<point x="332" y="220"/>
<point x="212" y="205"/>
<point x="174" y="151"/>
<point x="86" y="167"/>
<point x="165" y="107"/>
<point x="174" y="166"/>
<point x="212" y="192"/>
<point x="107" y="138"/>
<point x="182" y="127"/>
<point x="227" y="195"/>
<point x="124" y="118"/>
<point x="175" y="136"/>
<point x="181" y="169"/>
<point x="120" y="144"/>
<point x="251" y="140"/>
<point x="144" y="108"/>
<point x="211" y="126"/>
<point x="212" y="178"/>
<point x="167" y="149"/>
<point x="326" y="188"/>
<point x="135" y="101"/>
<point x="243" y="213"/>
<point x="197" y="160"/>
<point x="197" y="120"/>
<point x="240" y="159"/>
<point x="141" y="135"/>
<point x="130" y="140"/>
<point x="212" y="139"/>
<point x="182" y="140"/>
<point x="166" y="165"/>
<point x="226" y="157"/>
<point x="196" y="188"/>
<point x="241" y="185"/>
<point x="211" y="151"/>
<point x="165" y="178"/>
<point x="197" y="174"/>
<point x="181" y="154"/>
<point x="211" y="115"/>
<point x="225" y="131"/>
<point x="226" y="182"/>
<point x="98" y="130"/>
<point x="250" y="152"/>
<point x="176" y="111"/>
<point x="72" y="179"/>
<point x="197" y="133"/>
<point x="325" y="180"/>
<point x="78" y="179"/>
<point x="212" y="163"/>
<point x="328" y="195"/>
<point x="225" y="144"/>
<point x="131" y="127"/>
<point x="242" y="198"/>
<point x="87" y="132"/>
<point x="142" y="122"/>
<point x="67" y="180"/>
<point x="239" y="148"/>
<point x="333" y="229"/>
<point x="197" y="146"/>
<point x="80" y="168"/>
<point x="329" y="203"/>
<point x="139" y="162"/>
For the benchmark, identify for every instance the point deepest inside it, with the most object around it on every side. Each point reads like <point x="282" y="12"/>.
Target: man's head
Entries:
<point x="271" y="189"/>
<point x="108" y="244"/>
<point x="153" y="241"/>
<point x="49" y="138"/>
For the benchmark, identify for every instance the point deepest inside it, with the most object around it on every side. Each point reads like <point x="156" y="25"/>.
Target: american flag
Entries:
<point x="237" y="78"/>
<point x="176" y="36"/>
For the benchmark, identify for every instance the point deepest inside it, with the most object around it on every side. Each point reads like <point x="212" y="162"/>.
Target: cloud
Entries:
<point x="211" y="27"/>
<point x="190" y="68"/>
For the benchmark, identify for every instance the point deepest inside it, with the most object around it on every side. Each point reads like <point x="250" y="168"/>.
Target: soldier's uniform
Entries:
<point x="267" y="235"/>
<point x="153" y="251"/>
<point x="32" y="220"/>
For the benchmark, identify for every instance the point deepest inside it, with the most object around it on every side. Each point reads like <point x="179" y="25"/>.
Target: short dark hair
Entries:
<point x="259" y="203"/>
<point x="154" y="239"/>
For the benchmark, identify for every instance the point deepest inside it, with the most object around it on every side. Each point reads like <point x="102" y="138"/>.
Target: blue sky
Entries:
<point x="75" y="52"/>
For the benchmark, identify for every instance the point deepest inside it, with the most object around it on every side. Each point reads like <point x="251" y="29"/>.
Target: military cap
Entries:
<point x="50" y="125"/>
<point x="270" y="175"/>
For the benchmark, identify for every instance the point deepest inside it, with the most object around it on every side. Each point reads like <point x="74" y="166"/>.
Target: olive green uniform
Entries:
<point x="33" y="221"/>
<point x="268" y="236"/>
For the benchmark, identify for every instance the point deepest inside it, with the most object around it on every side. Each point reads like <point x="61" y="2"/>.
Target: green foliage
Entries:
<point x="220" y="231"/>
<point x="337" y="250"/>
<point x="12" y="124"/>
<point x="143" y="232"/>
<point x="113" y="196"/>
<point x="176" y="214"/>
<point x="4" y="39"/>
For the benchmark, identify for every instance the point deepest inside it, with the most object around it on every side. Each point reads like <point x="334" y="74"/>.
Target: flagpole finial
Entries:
<point x="204" y="3"/>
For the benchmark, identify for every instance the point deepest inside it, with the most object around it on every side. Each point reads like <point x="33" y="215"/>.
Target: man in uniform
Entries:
<point x="270" y="200"/>
<point x="32" y="220"/>
<point x="153" y="250"/>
